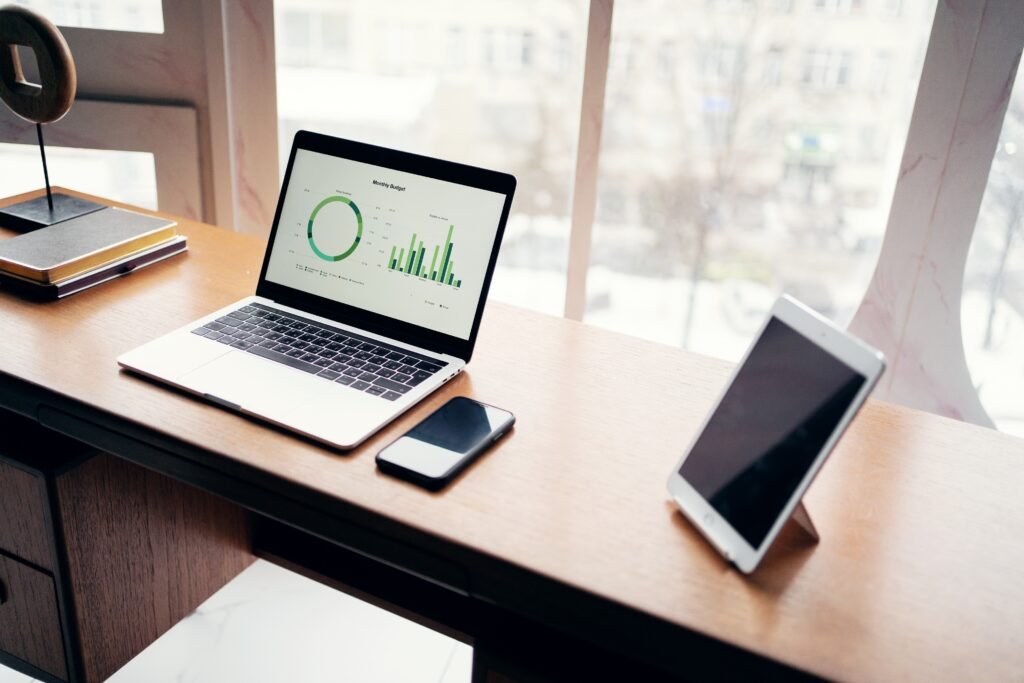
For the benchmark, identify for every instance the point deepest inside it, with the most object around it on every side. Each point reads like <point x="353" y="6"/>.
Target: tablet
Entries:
<point x="783" y="410"/>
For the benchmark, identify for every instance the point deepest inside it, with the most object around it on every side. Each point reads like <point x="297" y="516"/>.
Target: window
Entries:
<point x="508" y="49"/>
<point x="826" y="68"/>
<point x="313" y="38"/>
<point x="992" y="312"/>
<point x="142" y="16"/>
<point x="499" y="88"/>
<point x="455" y="47"/>
<point x="740" y="183"/>
<point x="838" y="6"/>
<point x="123" y="176"/>
<point x="721" y="63"/>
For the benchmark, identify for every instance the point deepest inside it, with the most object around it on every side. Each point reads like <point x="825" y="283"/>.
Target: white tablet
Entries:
<point x="783" y="410"/>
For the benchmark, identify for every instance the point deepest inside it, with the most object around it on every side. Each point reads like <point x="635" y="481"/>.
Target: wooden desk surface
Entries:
<point x="917" y="576"/>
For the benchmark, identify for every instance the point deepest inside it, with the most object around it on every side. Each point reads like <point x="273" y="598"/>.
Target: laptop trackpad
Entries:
<point x="252" y="383"/>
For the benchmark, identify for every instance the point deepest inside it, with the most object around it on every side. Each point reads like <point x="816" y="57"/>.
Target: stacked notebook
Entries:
<point x="68" y="257"/>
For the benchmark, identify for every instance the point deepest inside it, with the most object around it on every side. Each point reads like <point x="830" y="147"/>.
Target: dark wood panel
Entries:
<point x="143" y="552"/>
<point x="24" y="530"/>
<point x="29" y="627"/>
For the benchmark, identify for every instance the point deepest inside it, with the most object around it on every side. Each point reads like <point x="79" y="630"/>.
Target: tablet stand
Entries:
<point x="803" y="520"/>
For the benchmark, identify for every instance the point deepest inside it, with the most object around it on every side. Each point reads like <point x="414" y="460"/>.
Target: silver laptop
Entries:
<point x="370" y="296"/>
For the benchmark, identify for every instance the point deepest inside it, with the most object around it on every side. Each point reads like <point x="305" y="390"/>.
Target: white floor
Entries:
<point x="272" y="625"/>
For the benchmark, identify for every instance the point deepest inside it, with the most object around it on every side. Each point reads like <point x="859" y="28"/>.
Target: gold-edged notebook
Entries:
<point x="81" y="244"/>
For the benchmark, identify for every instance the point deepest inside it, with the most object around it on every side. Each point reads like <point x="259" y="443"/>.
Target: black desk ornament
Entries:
<point x="38" y="103"/>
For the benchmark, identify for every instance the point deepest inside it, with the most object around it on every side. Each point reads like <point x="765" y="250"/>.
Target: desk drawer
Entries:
<point x="24" y="531"/>
<point x="29" y="625"/>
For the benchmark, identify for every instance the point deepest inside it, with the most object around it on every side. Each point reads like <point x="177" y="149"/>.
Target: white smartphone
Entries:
<point x="787" y="403"/>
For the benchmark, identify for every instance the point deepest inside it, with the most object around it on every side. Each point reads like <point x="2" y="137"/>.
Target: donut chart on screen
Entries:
<point x="359" y="228"/>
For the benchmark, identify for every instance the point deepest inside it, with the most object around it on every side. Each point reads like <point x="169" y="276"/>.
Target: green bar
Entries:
<point x="394" y="263"/>
<point x="458" y="283"/>
<point x="433" y="263"/>
<point x="446" y="250"/>
<point x="444" y="263"/>
<point x="449" y="278"/>
<point x="419" y="261"/>
<point x="401" y="254"/>
<point x="412" y="253"/>
<point x="391" y="259"/>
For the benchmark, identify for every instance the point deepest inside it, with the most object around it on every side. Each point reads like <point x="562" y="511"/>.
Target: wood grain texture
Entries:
<point x="916" y="575"/>
<point x="49" y="100"/>
<point x="24" y="531"/>
<point x="29" y="628"/>
<point x="143" y="552"/>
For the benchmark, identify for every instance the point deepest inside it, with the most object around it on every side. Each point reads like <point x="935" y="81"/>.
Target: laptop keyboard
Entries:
<point x="335" y="355"/>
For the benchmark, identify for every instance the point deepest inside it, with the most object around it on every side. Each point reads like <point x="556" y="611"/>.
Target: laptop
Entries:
<point x="369" y="299"/>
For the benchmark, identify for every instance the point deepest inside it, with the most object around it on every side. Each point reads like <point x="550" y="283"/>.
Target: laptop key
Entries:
<point x="241" y="345"/>
<point x="367" y="347"/>
<point x="407" y="369"/>
<point x="370" y="367"/>
<point x="215" y="336"/>
<point x="295" y="353"/>
<point x="395" y="355"/>
<point x="310" y="357"/>
<point x="428" y="367"/>
<point x="418" y="378"/>
<point x="353" y="372"/>
<point x="227" y="339"/>
<point x="338" y="367"/>
<point x="345" y="380"/>
<point x="323" y="363"/>
<point x="391" y="395"/>
<point x="391" y="385"/>
<point x="384" y="372"/>
<point x="214" y="325"/>
<point x="375" y="390"/>
<point x="202" y="331"/>
<point x="284" y="359"/>
<point x="328" y="374"/>
<point x="356" y="363"/>
<point x="367" y="376"/>
<point x="248" y="308"/>
<point x="360" y="385"/>
<point x="268" y="344"/>
<point x="363" y="355"/>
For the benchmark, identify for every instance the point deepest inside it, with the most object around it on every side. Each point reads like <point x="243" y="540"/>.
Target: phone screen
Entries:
<point x="446" y="439"/>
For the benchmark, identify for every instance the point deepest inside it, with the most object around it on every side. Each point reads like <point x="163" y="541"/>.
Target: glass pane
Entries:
<point x="140" y="16"/>
<point x="123" y="176"/>
<point x="750" y="147"/>
<point x="992" y="312"/>
<point x="494" y="84"/>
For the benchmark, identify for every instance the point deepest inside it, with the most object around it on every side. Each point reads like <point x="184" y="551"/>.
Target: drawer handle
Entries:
<point x="3" y="592"/>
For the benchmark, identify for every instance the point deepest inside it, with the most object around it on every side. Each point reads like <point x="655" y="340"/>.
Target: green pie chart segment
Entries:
<point x="359" y="228"/>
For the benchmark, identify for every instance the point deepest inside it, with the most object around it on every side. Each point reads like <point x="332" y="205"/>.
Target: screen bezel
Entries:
<point x="470" y="176"/>
<point x="844" y="348"/>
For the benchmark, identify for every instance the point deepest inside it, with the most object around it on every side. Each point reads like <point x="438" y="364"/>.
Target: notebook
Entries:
<point x="82" y="244"/>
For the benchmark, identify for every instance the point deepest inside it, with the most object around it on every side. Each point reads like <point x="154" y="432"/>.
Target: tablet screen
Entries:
<point x="774" y="419"/>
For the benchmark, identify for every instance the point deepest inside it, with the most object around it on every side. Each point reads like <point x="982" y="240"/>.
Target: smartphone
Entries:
<point x="433" y="452"/>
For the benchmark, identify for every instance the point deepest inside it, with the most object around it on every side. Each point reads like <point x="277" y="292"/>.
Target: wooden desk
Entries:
<point x="559" y="553"/>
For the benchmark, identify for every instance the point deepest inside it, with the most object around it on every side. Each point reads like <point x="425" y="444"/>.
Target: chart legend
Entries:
<point x="412" y="261"/>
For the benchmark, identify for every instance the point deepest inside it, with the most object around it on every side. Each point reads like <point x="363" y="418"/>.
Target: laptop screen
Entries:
<point x="401" y="245"/>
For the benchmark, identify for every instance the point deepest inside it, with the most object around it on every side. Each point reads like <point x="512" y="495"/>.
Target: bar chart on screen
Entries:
<point x="412" y="261"/>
